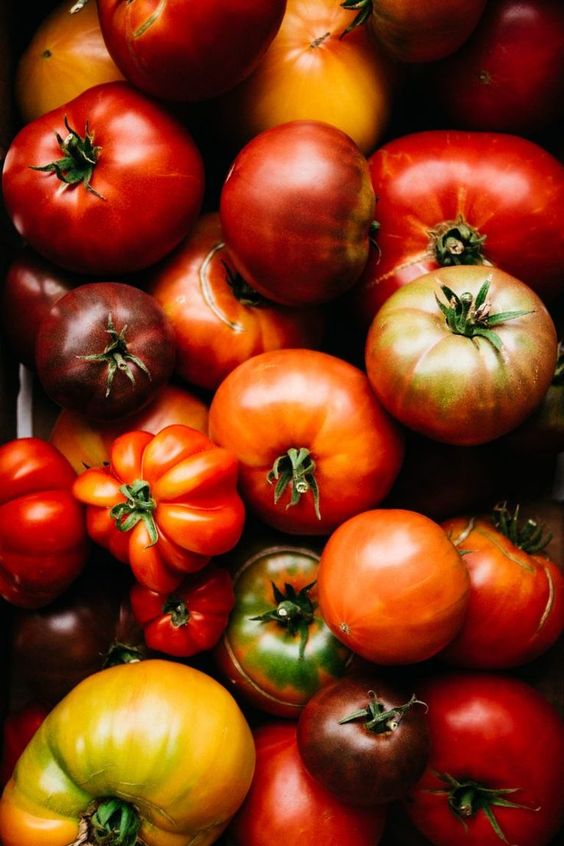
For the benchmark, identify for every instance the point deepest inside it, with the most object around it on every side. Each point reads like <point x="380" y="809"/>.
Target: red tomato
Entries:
<point x="106" y="184"/>
<point x="392" y="586"/>
<point x="188" y="51"/>
<point x="296" y="212"/>
<point x="43" y="541"/>
<point x="219" y="321"/>
<point x="313" y="443"/>
<point x="495" y="743"/>
<point x="449" y="197"/>
<point x="19" y="727"/>
<point x="286" y="805"/>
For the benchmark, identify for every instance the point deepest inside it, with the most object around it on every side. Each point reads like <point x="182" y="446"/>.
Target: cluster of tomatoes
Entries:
<point x="268" y="577"/>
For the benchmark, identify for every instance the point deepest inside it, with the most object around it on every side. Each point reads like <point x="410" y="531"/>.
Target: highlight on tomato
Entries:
<point x="153" y="752"/>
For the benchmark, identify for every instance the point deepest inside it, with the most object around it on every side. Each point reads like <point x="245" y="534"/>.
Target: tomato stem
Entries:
<point x="364" y="9"/>
<point x="178" y="611"/>
<point x="120" y="653"/>
<point x="528" y="535"/>
<point x="297" y="469"/>
<point x="109" y="822"/>
<point x="376" y="718"/>
<point x="454" y="242"/>
<point x="139" y="505"/>
<point x="78" y="161"/>
<point x="117" y="356"/>
<point x="294" y="610"/>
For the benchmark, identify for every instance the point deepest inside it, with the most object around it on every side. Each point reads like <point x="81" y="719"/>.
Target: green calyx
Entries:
<point x="364" y="9"/>
<point x="297" y="469"/>
<point x="529" y="535"/>
<point x="177" y="610"/>
<point x="78" y="161"/>
<point x="455" y="242"/>
<point x="110" y="822"/>
<point x="377" y="718"/>
<point x="121" y="653"/>
<point x="117" y="356"/>
<point x="470" y="316"/>
<point x="139" y="505"/>
<point x="294" y="611"/>
<point x="241" y="289"/>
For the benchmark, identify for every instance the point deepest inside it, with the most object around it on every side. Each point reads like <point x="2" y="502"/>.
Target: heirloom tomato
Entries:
<point x="277" y="651"/>
<point x="314" y="445"/>
<point x="165" y="504"/>
<point x="43" y="540"/>
<point x="392" y="586"/>
<point x="152" y="752"/>
<point x="462" y="355"/>
<point x="516" y="602"/>
<point x="105" y="349"/>
<point x="450" y="197"/>
<point x="107" y="183"/>
<point x="286" y="805"/>
<point x="219" y="320"/>
<point x="19" y="727"/>
<point x="495" y="769"/>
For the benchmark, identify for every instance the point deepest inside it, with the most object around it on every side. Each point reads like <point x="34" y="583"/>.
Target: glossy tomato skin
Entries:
<point x="428" y="179"/>
<point x="220" y="323"/>
<point x="360" y="765"/>
<point x="480" y="731"/>
<point x="271" y="664"/>
<point x="296" y="210"/>
<point x="43" y="541"/>
<point x="104" y="349"/>
<point x="147" y="182"/>
<point x="286" y="805"/>
<point x="305" y="399"/>
<point x="392" y="586"/>
<point x="158" y="720"/>
<point x="454" y="388"/>
<point x="516" y="603"/>
<point x="166" y="51"/>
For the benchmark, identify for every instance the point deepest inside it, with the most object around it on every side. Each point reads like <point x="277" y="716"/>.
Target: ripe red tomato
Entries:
<point x="296" y="212"/>
<point x="19" y="727"/>
<point x="484" y="761"/>
<point x="286" y="805"/>
<point x="108" y="183"/>
<point x="313" y="444"/>
<point x="392" y="586"/>
<point x="188" y="51"/>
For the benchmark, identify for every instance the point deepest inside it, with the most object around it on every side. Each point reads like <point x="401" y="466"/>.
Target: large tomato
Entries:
<point x="188" y="51"/>
<point x="392" y="586"/>
<point x="462" y="355"/>
<point x="495" y="771"/>
<point x="310" y="72"/>
<point x="451" y="197"/>
<point x="219" y="320"/>
<point x="313" y="444"/>
<point x="286" y="805"/>
<point x="154" y="749"/>
<point x="107" y="183"/>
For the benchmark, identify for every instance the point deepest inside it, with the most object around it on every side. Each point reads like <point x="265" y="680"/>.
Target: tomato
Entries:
<point x="19" y="727"/>
<point x="43" y="541"/>
<point x="286" y="805"/>
<point x="364" y="739"/>
<point x="313" y="444"/>
<point x="516" y="605"/>
<point x="180" y="51"/>
<point x="105" y="349"/>
<point x="480" y="355"/>
<point x="219" y="321"/>
<point x="310" y="72"/>
<point x="165" y="504"/>
<point x="510" y="73"/>
<point x="296" y="212"/>
<point x="277" y="651"/>
<point x="189" y="620"/>
<point x="87" y="443"/>
<point x="392" y="586"/>
<point x="106" y="184"/>
<point x="495" y="769"/>
<point x="134" y="747"/>
<point x="437" y="192"/>
<point x="66" y="55"/>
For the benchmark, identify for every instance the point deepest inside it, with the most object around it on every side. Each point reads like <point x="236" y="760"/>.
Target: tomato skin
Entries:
<point x="453" y="388"/>
<point x="43" y="541"/>
<point x="296" y="209"/>
<point x="149" y="174"/>
<point x="155" y="743"/>
<point x="216" y="328"/>
<point x="19" y="727"/>
<point x="480" y="729"/>
<point x="298" y="399"/>
<point x="392" y="586"/>
<point x="286" y="805"/>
